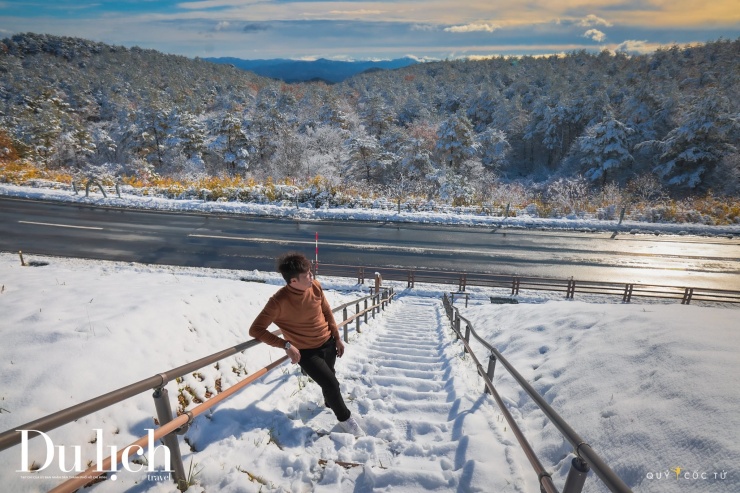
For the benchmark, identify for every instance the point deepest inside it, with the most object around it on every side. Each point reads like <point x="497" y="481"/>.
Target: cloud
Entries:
<point x="423" y="27"/>
<point x="357" y="12"/>
<point x="474" y="27"/>
<point x="595" y="34"/>
<point x="221" y="26"/>
<point x="636" y="46"/>
<point x="591" y="20"/>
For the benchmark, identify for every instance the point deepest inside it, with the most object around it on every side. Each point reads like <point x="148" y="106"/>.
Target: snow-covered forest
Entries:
<point x="558" y="133"/>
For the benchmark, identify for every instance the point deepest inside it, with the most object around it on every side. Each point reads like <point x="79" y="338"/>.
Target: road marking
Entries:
<point x="375" y="246"/>
<point x="60" y="225"/>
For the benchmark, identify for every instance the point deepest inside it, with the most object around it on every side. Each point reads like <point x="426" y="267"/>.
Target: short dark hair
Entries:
<point x="291" y="265"/>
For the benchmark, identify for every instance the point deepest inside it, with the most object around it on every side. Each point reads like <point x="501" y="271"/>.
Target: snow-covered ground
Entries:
<point x="376" y="214"/>
<point x="651" y="386"/>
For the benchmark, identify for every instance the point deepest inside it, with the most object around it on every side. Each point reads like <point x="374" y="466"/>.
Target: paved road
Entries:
<point x="239" y="242"/>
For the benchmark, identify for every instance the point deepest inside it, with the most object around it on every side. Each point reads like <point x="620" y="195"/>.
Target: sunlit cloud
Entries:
<point x="591" y="20"/>
<point x="636" y="47"/>
<point x="474" y="27"/>
<point x="382" y="29"/>
<point x="595" y="34"/>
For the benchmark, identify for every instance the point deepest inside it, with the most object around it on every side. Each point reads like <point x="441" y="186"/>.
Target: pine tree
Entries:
<point x="605" y="149"/>
<point x="456" y="141"/>
<point x="693" y="149"/>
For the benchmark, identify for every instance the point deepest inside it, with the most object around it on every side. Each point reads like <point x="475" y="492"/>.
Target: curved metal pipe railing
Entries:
<point x="582" y="449"/>
<point x="12" y="437"/>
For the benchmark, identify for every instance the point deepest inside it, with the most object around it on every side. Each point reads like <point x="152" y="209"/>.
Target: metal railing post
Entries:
<point x="467" y="336"/>
<point x="357" y="318"/>
<point x="627" y="296"/>
<point x="457" y="324"/>
<point x="164" y="415"/>
<point x="365" y="310"/>
<point x="571" y="290"/>
<point x="515" y="282"/>
<point x="576" y="476"/>
<point x="489" y="373"/>
<point x="344" y="317"/>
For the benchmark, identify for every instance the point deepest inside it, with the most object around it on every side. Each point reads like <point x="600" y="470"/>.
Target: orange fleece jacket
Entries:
<point x="304" y="317"/>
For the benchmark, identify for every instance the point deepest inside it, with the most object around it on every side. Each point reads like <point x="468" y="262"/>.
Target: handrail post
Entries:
<point x="463" y="282"/>
<point x="344" y="319"/>
<point x="365" y="310"/>
<point x="576" y="476"/>
<point x="164" y="415"/>
<point x="627" y="297"/>
<point x="571" y="289"/>
<point x="457" y="324"/>
<point x="357" y="317"/>
<point x="467" y="336"/>
<point x="489" y="373"/>
<point x="515" y="282"/>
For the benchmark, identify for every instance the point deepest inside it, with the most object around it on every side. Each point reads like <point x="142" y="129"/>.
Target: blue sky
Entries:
<point x="361" y="30"/>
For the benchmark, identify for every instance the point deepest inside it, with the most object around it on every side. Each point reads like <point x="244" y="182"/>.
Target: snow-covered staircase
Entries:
<point x="406" y="379"/>
<point x="429" y="426"/>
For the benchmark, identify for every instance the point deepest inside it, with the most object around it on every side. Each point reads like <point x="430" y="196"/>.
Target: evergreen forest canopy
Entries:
<point x="447" y="130"/>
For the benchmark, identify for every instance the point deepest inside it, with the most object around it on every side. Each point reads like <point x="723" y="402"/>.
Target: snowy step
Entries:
<point x="407" y="352"/>
<point x="403" y="385"/>
<point x="424" y="373"/>
<point x="420" y="384"/>
<point x="404" y="343"/>
<point x="433" y="366"/>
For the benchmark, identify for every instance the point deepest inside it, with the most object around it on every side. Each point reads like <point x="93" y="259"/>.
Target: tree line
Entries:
<point x="452" y="130"/>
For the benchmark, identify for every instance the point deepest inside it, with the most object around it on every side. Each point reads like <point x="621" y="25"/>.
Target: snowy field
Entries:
<point x="651" y="386"/>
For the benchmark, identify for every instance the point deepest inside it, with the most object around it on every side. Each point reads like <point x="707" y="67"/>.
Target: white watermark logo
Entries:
<point x="681" y="474"/>
<point x="77" y="465"/>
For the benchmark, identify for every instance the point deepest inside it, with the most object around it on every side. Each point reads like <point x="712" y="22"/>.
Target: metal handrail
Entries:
<point x="545" y="479"/>
<point x="570" y="286"/>
<point x="84" y="478"/>
<point x="582" y="448"/>
<point x="177" y="423"/>
<point x="52" y="421"/>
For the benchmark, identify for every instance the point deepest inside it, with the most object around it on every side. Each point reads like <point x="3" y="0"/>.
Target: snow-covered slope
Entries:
<point x="650" y="386"/>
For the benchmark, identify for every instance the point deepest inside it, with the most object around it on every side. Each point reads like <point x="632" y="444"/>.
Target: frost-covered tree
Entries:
<point x="570" y="195"/>
<point x="693" y="149"/>
<point x="363" y="156"/>
<point x="456" y="141"/>
<point x="493" y="148"/>
<point x="605" y="149"/>
<point x="376" y="115"/>
<point x="231" y="144"/>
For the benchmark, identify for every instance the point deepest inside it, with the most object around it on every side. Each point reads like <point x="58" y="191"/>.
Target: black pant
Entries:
<point x="319" y="365"/>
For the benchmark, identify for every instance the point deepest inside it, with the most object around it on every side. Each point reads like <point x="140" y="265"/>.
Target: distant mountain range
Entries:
<point x="330" y="71"/>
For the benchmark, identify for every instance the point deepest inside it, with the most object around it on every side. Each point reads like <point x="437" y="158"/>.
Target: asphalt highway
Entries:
<point x="245" y="242"/>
